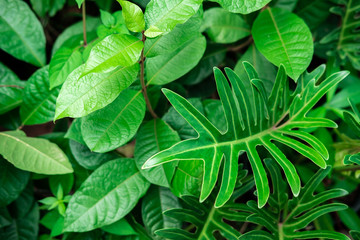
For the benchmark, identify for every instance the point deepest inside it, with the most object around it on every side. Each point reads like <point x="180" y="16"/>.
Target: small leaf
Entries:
<point x="161" y="16"/>
<point x="116" y="124"/>
<point x="133" y="15"/>
<point x="284" y="38"/>
<point x="21" y="34"/>
<point x="167" y="68"/>
<point x="79" y="2"/>
<point x="80" y="96"/>
<point x="39" y="102"/>
<point x="242" y="6"/>
<point x="107" y="19"/>
<point x="113" y="51"/>
<point x="42" y="156"/>
<point x="95" y="197"/>
<point x="224" y="27"/>
<point x="64" y="61"/>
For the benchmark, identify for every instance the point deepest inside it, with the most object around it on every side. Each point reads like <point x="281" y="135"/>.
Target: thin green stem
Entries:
<point x="84" y="23"/>
<point x="142" y="80"/>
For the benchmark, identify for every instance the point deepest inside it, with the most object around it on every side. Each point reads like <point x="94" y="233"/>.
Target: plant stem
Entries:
<point x="347" y="168"/>
<point x="142" y="80"/>
<point x="12" y="86"/>
<point x="241" y="46"/>
<point x="281" y="233"/>
<point x="84" y="23"/>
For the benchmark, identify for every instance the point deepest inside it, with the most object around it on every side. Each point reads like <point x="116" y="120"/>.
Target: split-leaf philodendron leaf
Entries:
<point x="259" y="121"/>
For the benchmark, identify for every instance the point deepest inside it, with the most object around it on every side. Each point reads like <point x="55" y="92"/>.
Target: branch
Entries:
<point x="241" y="46"/>
<point x="84" y="23"/>
<point x="12" y="86"/>
<point x="142" y="80"/>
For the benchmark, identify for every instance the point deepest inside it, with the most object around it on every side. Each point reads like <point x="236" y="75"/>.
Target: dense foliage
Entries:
<point x="179" y="119"/>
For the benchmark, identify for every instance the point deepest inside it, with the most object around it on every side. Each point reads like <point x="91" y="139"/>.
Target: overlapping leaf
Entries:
<point x="260" y="120"/>
<point x="242" y="6"/>
<point x="302" y="210"/>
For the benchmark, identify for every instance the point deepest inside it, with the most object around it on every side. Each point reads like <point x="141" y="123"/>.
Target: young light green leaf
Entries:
<point x="107" y="19"/>
<point x="167" y="68"/>
<point x="121" y="228"/>
<point x="133" y="15"/>
<point x="21" y="33"/>
<point x="156" y="201"/>
<point x="224" y="27"/>
<point x="284" y="38"/>
<point x="79" y="2"/>
<point x="250" y="125"/>
<point x="39" y="102"/>
<point x="64" y="61"/>
<point x="12" y="182"/>
<point x="114" y="125"/>
<point x="95" y="197"/>
<point x="153" y="137"/>
<point x="33" y="154"/>
<point x="162" y="16"/>
<point x="113" y="51"/>
<point x="168" y="43"/>
<point x="242" y="6"/>
<point x="82" y="95"/>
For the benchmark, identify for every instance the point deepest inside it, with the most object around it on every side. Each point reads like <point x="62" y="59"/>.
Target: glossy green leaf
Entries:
<point x="114" y="125"/>
<point x="118" y="27"/>
<point x="133" y="15"/>
<point x="242" y="6"/>
<point x="167" y="68"/>
<point x="21" y="33"/>
<point x="64" y="61"/>
<point x="12" y="182"/>
<point x="11" y="90"/>
<point x="162" y="16"/>
<point x="153" y="137"/>
<point x="80" y="96"/>
<point x="113" y="51"/>
<point x="121" y="228"/>
<point x="39" y="102"/>
<point x="250" y="125"/>
<point x="284" y="38"/>
<point x="157" y="201"/>
<point x="90" y="206"/>
<point x="42" y="156"/>
<point x="106" y="18"/>
<point x="79" y="2"/>
<point x="168" y="43"/>
<point x="224" y="27"/>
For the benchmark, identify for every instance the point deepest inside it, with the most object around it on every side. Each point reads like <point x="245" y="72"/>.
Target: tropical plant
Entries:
<point x="153" y="119"/>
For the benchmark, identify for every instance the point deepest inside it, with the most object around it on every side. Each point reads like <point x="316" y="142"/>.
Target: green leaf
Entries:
<point x="118" y="27"/>
<point x="12" y="182"/>
<point x="42" y="156"/>
<point x="250" y="125"/>
<point x="88" y="159"/>
<point x="21" y="34"/>
<point x="107" y="19"/>
<point x="114" y="125"/>
<point x="313" y="12"/>
<point x="167" y="68"/>
<point x="157" y="201"/>
<point x="95" y="197"/>
<point x="11" y="90"/>
<point x="284" y="38"/>
<point x="168" y="43"/>
<point x="133" y="15"/>
<point x="64" y="61"/>
<point x="153" y="137"/>
<point x="162" y="16"/>
<point x="355" y="235"/>
<point x="113" y="51"/>
<point x="74" y="131"/>
<point x="79" y="2"/>
<point x="65" y="181"/>
<point x="242" y="6"/>
<point x="224" y="27"/>
<point x="72" y="36"/>
<point x="44" y="7"/>
<point x="350" y="219"/>
<point x="256" y="234"/>
<point x="121" y="228"/>
<point x="39" y="102"/>
<point x="80" y="96"/>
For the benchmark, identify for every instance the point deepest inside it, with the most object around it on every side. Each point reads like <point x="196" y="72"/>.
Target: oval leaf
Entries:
<point x="33" y="154"/>
<point x="21" y="34"/>
<point x="133" y="16"/>
<point x="118" y="194"/>
<point x="242" y="6"/>
<point x="284" y="38"/>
